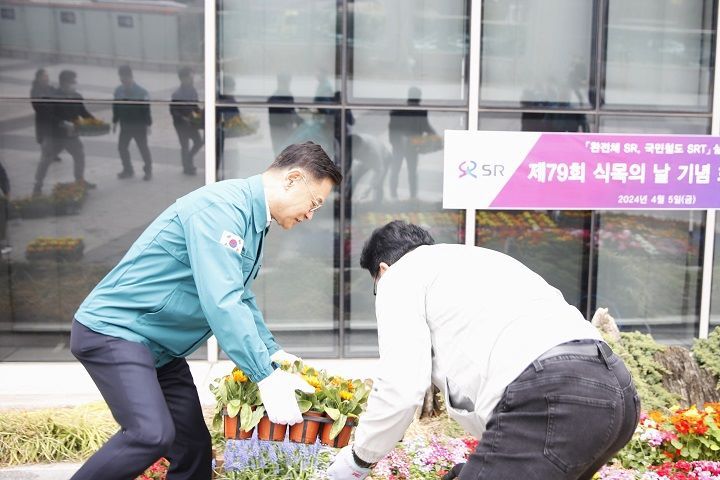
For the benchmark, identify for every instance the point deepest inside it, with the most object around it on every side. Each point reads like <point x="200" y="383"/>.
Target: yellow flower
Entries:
<point x="345" y="395"/>
<point x="239" y="376"/>
<point x="314" y="381"/>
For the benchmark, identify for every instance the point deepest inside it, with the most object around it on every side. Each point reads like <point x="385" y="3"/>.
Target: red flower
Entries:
<point x="682" y="426"/>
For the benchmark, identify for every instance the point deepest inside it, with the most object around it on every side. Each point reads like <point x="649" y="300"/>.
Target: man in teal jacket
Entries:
<point x="186" y="278"/>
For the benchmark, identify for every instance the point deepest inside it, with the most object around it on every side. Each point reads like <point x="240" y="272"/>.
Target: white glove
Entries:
<point x="283" y="356"/>
<point x="345" y="468"/>
<point x="277" y="392"/>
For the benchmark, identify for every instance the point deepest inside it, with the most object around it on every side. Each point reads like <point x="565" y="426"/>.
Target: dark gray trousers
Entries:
<point x="139" y="134"/>
<point x="158" y="411"/>
<point x="561" y="419"/>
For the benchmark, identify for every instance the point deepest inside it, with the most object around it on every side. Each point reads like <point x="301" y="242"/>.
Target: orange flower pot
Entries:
<point x="233" y="430"/>
<point x="307" y="431"/>
<point x="342" y="439"/>
<point x="268" y="430"/>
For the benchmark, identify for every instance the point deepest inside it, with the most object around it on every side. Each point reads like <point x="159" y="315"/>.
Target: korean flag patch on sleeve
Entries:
<point x="232" y="241"/>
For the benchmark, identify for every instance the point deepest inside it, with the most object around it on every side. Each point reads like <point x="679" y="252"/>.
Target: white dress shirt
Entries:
<point x="467" y="319"/>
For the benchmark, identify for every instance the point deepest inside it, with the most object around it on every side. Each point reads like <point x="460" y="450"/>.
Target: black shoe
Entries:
<point x="147" y="177"/>
<point x="126" y="174"/>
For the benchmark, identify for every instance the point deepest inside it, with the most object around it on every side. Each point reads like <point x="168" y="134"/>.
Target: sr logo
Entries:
<point x="475" y="170"/>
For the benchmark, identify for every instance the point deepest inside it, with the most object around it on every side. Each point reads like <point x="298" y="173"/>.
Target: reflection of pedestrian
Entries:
<point x="368" y="156"/>
<point x="224" y="112"/>
<point x="40" y="89"/>
<point x="4" y="207"/>
<point x="404" y="126"/>
<point x="62" y="133"/>
<point x="135" y="121"/>
<point x="182" y="120"/>
<point x="282" y="120"/>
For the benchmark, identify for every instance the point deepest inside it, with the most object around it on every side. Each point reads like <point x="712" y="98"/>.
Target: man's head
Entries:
<point x="389" y="243"/>
<point x="126" y="75"/>
<point x="67" y="81"/>
<point x="185" y="74"/>
<point x="299" y="182"/>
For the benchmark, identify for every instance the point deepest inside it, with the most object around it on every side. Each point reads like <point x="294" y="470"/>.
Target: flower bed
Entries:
<point x="668" y="471"/>
<point x="681" y="434"/>
<point x="65" y="249"/>
<point x="66" y="199"/>
<point x="158" y="471"/>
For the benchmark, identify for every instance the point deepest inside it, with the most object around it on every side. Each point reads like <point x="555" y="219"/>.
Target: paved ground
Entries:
<point x="56" y="471"/>
<point x="68" y="384"/>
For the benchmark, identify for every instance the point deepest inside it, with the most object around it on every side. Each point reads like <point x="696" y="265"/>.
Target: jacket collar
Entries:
<point x="259" y="206"/>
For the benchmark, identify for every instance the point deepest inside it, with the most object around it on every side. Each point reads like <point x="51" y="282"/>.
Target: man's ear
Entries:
<point x="383" y="267"/>
<point x="293" y="175"/>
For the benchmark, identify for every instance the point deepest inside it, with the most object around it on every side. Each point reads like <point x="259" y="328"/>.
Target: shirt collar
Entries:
<point x="260" y="209"/>
<point x="267" y="210"/>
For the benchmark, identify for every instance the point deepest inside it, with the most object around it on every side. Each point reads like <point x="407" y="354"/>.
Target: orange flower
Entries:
<point x="657" y="417"/>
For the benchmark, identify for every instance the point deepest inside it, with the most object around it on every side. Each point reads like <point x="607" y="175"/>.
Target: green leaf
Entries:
<point x="304" y="405"/>
<point x="233" y="408"/>
<point x="676" y="443"/>
<point x="245" y="417"/>
<point x="333" y="413"/>
<point x="337" y="426"/>
<point x="256" y="417"/>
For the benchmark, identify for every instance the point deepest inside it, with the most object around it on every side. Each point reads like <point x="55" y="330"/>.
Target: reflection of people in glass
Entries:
<point x="282" y="120"/>
<point x="62" y="133"/>
<point x="223" y="114"/>
<point x="405" y="125"/>
<point x="135" y="121"/>
<point x="369" y="156"/>
<point x="561" y="96"/>
<point x="4" y="209"/>
<point x="41" y="88"/>
<point x="187" y="130"/>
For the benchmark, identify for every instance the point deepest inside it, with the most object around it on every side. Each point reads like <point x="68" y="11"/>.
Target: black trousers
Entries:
<point x="158" y="411"/>
<point x="563" y="418"/>
<point x="138" y="133"/>
<point x="187" y="134"/>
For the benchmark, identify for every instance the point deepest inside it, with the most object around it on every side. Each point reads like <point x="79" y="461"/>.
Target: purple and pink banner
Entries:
<point x="566" y="171"/>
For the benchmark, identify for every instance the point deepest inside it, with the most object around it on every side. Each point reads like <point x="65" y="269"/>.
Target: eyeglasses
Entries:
<point x="375" y="282"/>
<point x="316" y="203"/>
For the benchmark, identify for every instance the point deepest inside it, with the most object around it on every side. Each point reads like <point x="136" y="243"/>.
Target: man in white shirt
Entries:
<point x="519" y="367"/>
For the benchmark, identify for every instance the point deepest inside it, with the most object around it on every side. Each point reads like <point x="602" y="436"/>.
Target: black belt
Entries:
<point x="588" y="348"/>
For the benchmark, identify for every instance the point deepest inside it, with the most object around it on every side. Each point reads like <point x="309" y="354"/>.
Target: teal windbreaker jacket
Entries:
<point x="188" y="276"/>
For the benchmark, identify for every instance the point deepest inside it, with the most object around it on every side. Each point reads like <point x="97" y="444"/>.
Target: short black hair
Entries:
<point x="67" y="76"/>
<point x="310" y="157"/>
<point x="390" y="242"/>
<point x="125" y="71"/>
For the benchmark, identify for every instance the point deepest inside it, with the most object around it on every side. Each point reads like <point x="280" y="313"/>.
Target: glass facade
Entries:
<point x="65" y="236"/>
<point x="376" y="84"/>
<point x="155" y="38"/>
